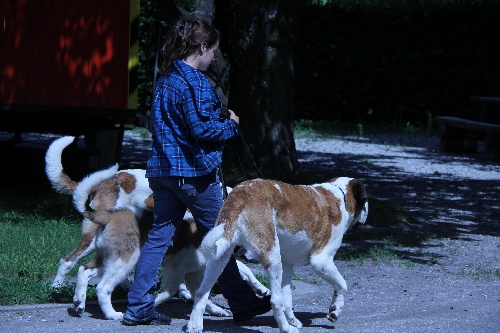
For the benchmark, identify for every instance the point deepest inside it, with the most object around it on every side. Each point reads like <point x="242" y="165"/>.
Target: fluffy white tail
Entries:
<point x="84" y="188"/>
<point x="54" y="169"/>
<point x="213" y="245"/>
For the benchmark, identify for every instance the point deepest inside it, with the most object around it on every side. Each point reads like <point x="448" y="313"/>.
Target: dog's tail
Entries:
<point x="214" y="245"/>
<point x="53" y="167"/>
<point x="84" y="188"/>
<point x="101" y="217"/>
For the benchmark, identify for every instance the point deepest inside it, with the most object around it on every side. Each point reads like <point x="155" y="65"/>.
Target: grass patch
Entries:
<point x="483" y="272"/>
<point x="321" y="128"/>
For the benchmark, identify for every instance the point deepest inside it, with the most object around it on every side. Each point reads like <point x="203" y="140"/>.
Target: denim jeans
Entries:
<point x="172" y="195"/>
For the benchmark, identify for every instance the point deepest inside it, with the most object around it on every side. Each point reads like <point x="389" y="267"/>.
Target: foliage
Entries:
<point x="151" y="28"/>
<point x="401" y="62"/>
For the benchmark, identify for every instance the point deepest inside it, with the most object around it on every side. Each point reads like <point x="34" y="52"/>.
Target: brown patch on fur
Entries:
<point x="84" y="243"/>
<point x="127" y="181"/>
<point x="250" y="199"/>
<point x="149" y="202"/>
<point x="68" y="184"/>
<point x="95" y="262"/>
<point x="145" y="224"/>
<point x="105" y="194"/>
<point x="121" y="232"/>
<point x="186" y="235"/>
<point x="313" y="210"/>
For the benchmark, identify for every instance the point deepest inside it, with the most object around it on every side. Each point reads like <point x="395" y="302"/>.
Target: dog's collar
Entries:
<point x="343" y="193"/>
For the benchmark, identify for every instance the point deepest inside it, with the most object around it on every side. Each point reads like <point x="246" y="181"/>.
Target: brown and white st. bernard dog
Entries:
<point x="283" y="225"/>
<point x="126" y="188"/>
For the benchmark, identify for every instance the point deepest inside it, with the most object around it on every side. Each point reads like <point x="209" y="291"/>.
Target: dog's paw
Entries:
<point x="115" y="316"/>
<point x="295" y="323"/>
<point x="185" y="295"/>
<point x="214" y="310"/>
<point x="263" y="291"/>
<point x="331" y="316"/>
<point x="195" y="326"/>
<point x="78" y="307"/>
<point x="291" y="329"/>
<point x="220" y="313"/>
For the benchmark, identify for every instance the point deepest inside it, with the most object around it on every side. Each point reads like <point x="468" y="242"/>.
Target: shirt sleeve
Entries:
<point x="202" y="118"/>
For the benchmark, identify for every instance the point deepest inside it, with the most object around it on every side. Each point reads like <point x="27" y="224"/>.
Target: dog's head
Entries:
<point x="356" y="199"/>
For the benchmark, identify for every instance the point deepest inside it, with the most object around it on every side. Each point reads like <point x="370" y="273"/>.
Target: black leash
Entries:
<point x="247" y="150"/>
<point x="249" y="153"/>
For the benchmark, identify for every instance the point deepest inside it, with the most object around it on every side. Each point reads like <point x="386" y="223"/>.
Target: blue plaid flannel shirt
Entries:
<point x="188" y="133"/>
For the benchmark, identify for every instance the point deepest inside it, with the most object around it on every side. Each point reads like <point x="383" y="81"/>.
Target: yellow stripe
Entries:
<point x="133" y="54"/>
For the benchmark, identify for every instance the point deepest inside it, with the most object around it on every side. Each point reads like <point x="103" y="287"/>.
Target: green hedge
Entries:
<point x="396" y="61"/>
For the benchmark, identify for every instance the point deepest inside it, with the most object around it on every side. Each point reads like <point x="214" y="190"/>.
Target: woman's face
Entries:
<point x="208" y="55"/>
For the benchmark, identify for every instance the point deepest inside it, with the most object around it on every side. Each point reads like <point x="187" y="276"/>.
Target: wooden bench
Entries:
<point x="462" y="135"/>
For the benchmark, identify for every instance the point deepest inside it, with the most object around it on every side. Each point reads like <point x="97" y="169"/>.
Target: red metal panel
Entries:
<point x="7" y="52"/>
<point x="32" y="58"/>
<point x="94" y="61"/>
<point x="69" y="52"/>
<point x="120" y="66"/>
<point x="59" y="52"/>
<point x="106" y="54"/>
<point x="45" y="52"/>
<point x="20" y="56"/>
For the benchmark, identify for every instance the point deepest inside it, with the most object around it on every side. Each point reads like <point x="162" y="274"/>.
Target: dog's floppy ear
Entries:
<point x="359" y="192"/>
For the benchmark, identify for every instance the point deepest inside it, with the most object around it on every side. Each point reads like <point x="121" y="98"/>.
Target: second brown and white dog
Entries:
<point x="125" y="188"/>
<point x="283" y="225"/>
<point x="119" y="238"/>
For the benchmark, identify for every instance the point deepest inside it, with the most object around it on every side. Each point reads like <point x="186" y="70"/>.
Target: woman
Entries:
<point x="188" y="138"/>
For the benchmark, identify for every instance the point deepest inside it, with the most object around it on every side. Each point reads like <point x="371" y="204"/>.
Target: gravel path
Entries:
<point x="446" y="280"/>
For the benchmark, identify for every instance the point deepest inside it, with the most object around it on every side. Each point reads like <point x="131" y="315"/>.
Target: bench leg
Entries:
<point x="492" y="143"/>
<point x="452" y="139"/>
<point x="458" y="140"/>
<point x="470" y="141"/>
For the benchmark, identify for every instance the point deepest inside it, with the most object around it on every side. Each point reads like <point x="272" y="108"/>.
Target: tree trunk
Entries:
<point x="261" y="36"/>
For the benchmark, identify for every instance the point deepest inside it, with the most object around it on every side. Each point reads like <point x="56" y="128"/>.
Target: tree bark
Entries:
<point x="261" y="36"/>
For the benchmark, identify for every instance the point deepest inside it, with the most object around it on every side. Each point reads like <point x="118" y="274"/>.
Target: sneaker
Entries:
<point x="263" y="306"/>
<point x="159" y="319"/>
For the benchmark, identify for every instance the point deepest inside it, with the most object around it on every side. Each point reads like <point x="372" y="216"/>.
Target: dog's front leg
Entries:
<point x="84" y="248"/>
<point x="286" y="289"/>
<point x="325" y="268"/>
<point x="247" y="276"/>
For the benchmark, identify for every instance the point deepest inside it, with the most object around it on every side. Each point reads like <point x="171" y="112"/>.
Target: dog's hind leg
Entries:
<point x="286" y="289"/>
<point x="213" y="270"/>
<point x="193" y="281"/>
<point x="171" y="279"/>
<point x="115" y="272"/>
<point x="326" y="269"/>
<point x="85" y="273"/>
<point x="86" y="247"/>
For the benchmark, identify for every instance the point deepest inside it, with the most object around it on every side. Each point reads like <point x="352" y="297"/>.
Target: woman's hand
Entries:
<point x="233" y="116"/>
